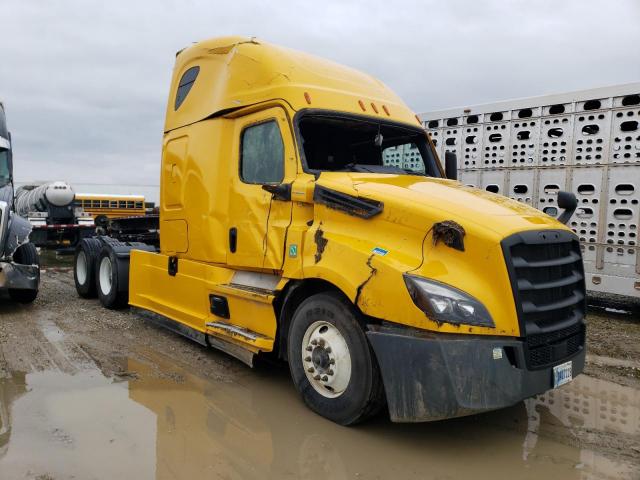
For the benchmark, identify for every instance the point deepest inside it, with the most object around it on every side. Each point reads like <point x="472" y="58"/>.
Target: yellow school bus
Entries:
<point x="111" y="205"/>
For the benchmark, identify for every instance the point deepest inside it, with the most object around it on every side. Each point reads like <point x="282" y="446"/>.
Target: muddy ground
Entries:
<point x="91" y="393"/>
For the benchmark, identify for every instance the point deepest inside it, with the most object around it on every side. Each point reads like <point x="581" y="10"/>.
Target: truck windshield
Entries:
<point x="5" y="175"/>
<point x="333" y="142"/>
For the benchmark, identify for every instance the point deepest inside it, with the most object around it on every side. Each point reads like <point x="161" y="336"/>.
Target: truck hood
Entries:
<point x="365" y="248"/>
<point x="413" y="200"/>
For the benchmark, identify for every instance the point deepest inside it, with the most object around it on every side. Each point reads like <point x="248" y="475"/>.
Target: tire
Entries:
<point x="25" y="254"/>
<point x="346" y="389"/>
<point x="84" y="266"/>
<point x="106" y="274"/>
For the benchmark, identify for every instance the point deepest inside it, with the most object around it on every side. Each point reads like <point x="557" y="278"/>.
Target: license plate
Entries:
<point x="562" y="374"/>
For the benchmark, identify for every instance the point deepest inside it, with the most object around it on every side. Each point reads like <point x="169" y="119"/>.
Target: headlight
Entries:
<point x="443" y="303"/>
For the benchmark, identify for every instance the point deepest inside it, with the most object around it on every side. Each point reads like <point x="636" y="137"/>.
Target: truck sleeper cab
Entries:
<point x="304" y="213"/>
<point x="19" y="261"/>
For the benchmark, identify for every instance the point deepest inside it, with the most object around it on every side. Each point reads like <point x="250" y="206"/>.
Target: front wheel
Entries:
<point x="331" y="363"/>
<point x="21" y="295"/>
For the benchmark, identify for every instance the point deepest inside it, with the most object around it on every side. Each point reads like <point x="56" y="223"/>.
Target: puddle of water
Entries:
<point x="607" y="412"/>
<point x="51" y="331"/>
<point x="595" y="404"/>
<point x="51" y="260"/>
<point x="74" y="426"/>
<point x="169" y="423"/>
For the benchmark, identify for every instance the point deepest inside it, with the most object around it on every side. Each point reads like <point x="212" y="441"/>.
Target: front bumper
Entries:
<point x="17" y="276"/>
<point x="430" y="376"/>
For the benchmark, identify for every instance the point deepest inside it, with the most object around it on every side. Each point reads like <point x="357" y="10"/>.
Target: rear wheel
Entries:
<point x="111" y="294"/>
<point x="25" y="254"/>
<point x="331" y="363"/>
<point x="84" y="266"/>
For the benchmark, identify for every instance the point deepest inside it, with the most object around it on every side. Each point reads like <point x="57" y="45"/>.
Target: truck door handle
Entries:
<point x="233" y="239"/>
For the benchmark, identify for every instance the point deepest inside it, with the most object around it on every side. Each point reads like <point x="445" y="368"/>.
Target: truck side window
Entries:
<point x="262" y="154"/>
<point x="185" y="84"/>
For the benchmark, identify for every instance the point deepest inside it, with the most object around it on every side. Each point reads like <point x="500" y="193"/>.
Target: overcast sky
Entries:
<point x="85" y="82"/>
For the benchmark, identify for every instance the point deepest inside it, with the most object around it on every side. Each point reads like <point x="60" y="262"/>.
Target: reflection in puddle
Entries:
<point x="51" y="331"/>
<point x="9" y="390"/>
<point x="599" y="408"/>
<point x="80" y="425"/>
<point x="168" y="423"/>
<point x="595" y="405"/>
<point x="52" y="260"/>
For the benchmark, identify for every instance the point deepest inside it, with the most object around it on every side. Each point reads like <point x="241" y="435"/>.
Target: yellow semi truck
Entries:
<point x="289" y="228"/>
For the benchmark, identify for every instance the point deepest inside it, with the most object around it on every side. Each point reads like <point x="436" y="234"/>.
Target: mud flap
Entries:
<point x="122" y="251"/>
<point x="436" y="376"/>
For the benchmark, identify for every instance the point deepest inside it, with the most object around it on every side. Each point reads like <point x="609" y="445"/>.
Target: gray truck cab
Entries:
<point x="19" y="262"/>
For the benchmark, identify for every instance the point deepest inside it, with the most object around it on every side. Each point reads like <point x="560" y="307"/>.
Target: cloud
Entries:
<point x="85" y="82"/>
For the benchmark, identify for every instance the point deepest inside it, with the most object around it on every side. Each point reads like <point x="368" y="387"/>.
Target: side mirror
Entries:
<point x="451" y="165"/>
<point x="281" y="191"/>
<point x="568" y="201"/>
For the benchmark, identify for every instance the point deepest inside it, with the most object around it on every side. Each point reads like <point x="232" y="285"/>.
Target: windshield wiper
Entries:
<point x="414" y="172"/>
<point x="355" y="167"/>
<point x="362" y="168"/>
<point x="358" y="167"/>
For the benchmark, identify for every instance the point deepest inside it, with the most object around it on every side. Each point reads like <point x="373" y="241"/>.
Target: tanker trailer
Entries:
<point x="50" y="209"/>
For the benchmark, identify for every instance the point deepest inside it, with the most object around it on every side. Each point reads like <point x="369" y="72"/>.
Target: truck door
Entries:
<point x="264" y="154"/>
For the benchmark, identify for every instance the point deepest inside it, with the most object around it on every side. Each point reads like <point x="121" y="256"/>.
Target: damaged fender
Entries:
<point x="17" y="233"/>
<point x="19" y="277"/>
<point x="14" y="231"/>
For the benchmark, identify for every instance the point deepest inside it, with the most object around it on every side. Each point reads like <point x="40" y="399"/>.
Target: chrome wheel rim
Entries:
<point x="326" y="359"/>
<point x="105" y="275"/>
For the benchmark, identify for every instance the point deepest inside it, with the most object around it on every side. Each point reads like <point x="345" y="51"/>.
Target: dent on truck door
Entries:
<point x="264" y="155"/>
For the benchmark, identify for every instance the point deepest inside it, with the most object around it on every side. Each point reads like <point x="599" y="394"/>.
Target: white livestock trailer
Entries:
<point x="586" y="142"/>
